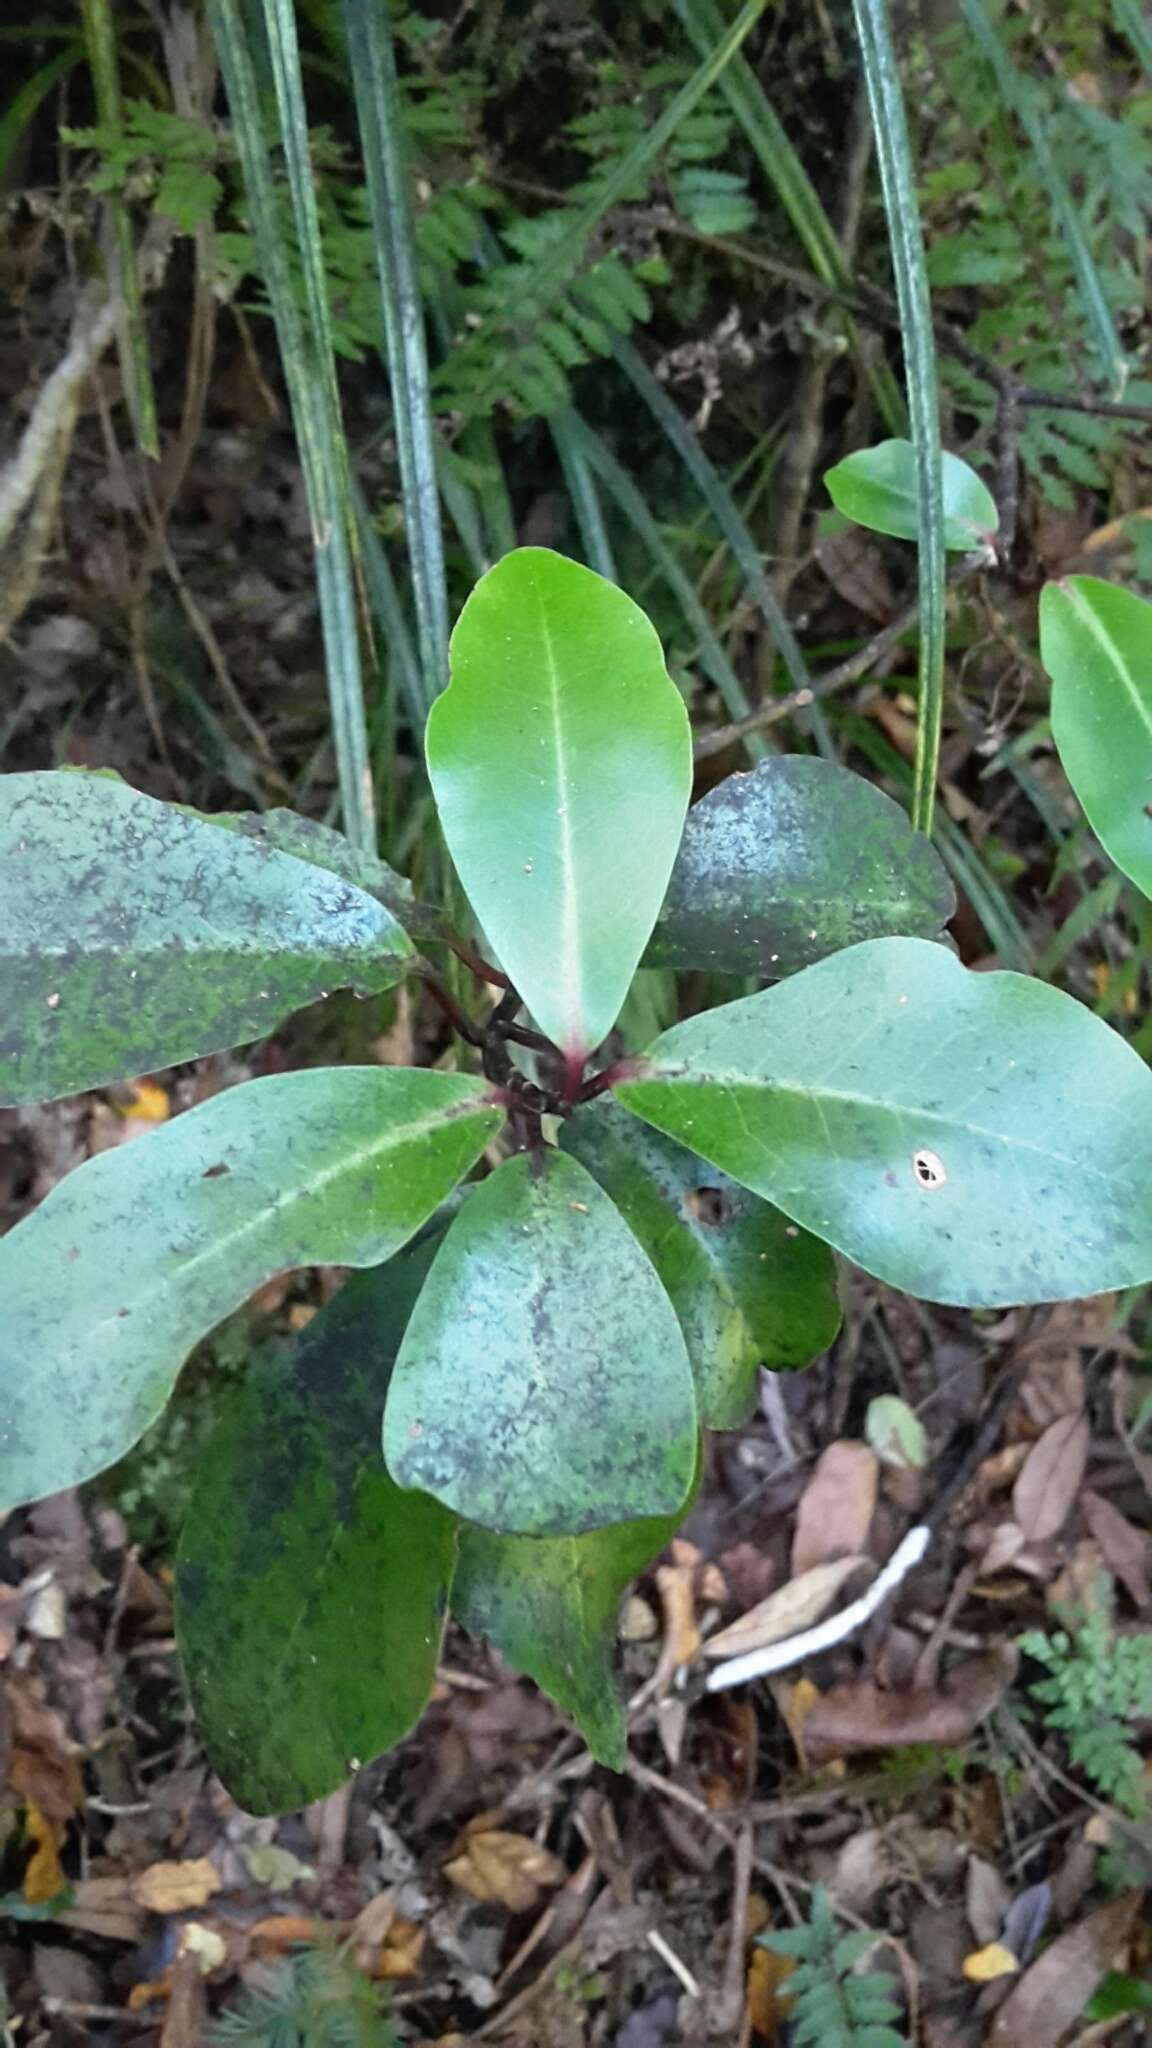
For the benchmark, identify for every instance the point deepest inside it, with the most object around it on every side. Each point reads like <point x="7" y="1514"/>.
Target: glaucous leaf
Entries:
<point x="876" y="487"/>
<point x="134" y="935"/>
<point x="543" y="1387"/>
<point x="750" y="1287"/>
<point x="141" y="1251"/>
<point x="297" y="1547"/>
<point x="561" y="762"/>
<point x="306" y="839"/>
<point x="974" y="1138"/>
<point x="789" y="862"/>
<point x="1096" y="644"/>
<point x="550" y="1605"/>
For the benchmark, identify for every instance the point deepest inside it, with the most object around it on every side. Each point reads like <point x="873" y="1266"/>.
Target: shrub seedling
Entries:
<point x="542" y="1345"/>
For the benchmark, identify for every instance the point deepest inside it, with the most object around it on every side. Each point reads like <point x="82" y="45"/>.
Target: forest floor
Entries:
<point x="500" y="1886"/>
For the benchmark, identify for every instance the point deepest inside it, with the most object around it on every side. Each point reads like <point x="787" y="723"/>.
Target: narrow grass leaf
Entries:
<point x="898" y="181"/>
<point x="309" y="370"/>
<point x="373" y="65"/>
<point x="1019" y="95"/>
<point x="100" y="38"/>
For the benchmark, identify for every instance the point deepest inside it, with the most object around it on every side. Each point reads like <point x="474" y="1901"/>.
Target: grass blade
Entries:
<point x="309" y="370"/>
<point x="22" y="106"/>
<point x="898" y="182"/>
<point x="1137" y="28"/>
<point x="373" y="65"/>
<point x="1019" y="95"/>
<point x="586" y="506"/>
<point x="720" y="503"/>
<point x="100" y="38"/>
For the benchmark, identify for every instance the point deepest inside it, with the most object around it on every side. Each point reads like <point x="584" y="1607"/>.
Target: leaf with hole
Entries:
<point x="750" y="1288"/>
<point x="876" y="488"/>
<point x="1096" y="644"/>
<point x="297" y="1543"/>
<point x="140" y="1252"/>
<point x="786" y="864"/>
<point x="561" y="764"/>
<point x="543" y="1387"/>
<point x="134" y="935"/>
<point x="975" y="1138"/>
<point x="550" y="1605"/>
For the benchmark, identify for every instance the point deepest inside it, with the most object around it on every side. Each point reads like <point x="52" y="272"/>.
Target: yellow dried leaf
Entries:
<point x="797" y="1704"/>
<point x="984" y="1965"/>
<point x="43" y="1878"/>
<point x="506" y="1869"/>
<point x="147" y="1103"/>
<point x="402" y="1952"/>
<point x="176" y="1887"/>
<point x="766" y="1992"/>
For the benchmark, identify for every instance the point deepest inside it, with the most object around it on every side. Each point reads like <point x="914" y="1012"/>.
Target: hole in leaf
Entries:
<point x="708" y="1205"/>
<point x="929" y="1168"/>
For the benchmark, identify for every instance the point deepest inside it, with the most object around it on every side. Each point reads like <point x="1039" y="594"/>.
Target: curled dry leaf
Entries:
<point x="1050" y="1477"/>
<point x="176" y="1887"/>
<point x="786" y="1611"/>
<point x="862" y="1716"/>
<point x="1053" y="1993"/>
<point x="507" y="1869"/>
<point x="836" y="1507"/>
<point x="985" y="1965"/>
<point x="1127" y="1550"/>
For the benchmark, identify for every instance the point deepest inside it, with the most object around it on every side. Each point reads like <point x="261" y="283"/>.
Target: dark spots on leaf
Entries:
<point x="709" y="1206"/>
<point x="214" y="1172"/>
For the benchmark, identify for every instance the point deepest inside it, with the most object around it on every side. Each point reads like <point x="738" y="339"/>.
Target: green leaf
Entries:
<point x="543" y="1387"/>
<point x="133" y="935"/>
<point x="299" y="1545"/>
<point x="896" y="1433"/>
<point x="138" y="1253"/>
<point x="877" y="488"/>
<point x="550" y="1606"/>
<point x="975" y="1138"/>
<point x="1096" y="644"/>
<point x="790" y="862"/>
<point x="561" y="762"/>
<point x="749" y="1287"/>
<point x="307" y="840"/>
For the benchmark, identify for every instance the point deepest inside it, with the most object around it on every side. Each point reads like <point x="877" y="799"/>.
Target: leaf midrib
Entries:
<point x="1087" y="613"/>
<point x="935" y="1117"/>
<point x="571" y="977"/>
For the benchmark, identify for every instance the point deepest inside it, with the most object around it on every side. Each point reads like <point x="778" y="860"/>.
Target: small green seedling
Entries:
<point x="541" y="1342"/>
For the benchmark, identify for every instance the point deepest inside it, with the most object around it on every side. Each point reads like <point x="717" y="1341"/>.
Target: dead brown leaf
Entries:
<point x="858" y="572"/>
<point x="786" y="1611"/>
<point x="836" y="1507"/>
<point x="43" y="1877"/>
<point x="495" y="1865"/>
<point x="176" y="1887"/>
<point x="184" y="2020"/>
<point x="402" y="1953"/>
<point x="1127" y="1550"/>
<point x="104" y="1906"/>
<point x="861" y="1716"/>
<point x="1050" y="1477"/>
<point x="1054" y="1991"/>
<point x="766" y="1992"/>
